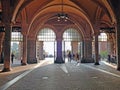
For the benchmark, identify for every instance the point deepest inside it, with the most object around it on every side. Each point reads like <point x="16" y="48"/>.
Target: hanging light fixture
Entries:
<point x="62" y="15"/>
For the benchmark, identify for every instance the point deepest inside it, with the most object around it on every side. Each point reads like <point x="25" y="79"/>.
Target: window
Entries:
<point x="46" y="34"/>
<point x="71" y="35"/>
<point x="102" y="37"/>
<point x="17" y="36"/>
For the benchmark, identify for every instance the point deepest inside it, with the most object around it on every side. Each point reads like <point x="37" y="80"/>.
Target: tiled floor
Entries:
<point x="69" y="76"/>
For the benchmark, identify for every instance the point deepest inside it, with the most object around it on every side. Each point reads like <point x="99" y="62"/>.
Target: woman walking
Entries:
<point x="77" y="58"/>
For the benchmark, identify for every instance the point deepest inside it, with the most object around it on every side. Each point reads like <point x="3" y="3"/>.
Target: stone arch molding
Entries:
<point x="21" y="4"/>
<point x="41" y="18"/>
<point x="30" y="26"/>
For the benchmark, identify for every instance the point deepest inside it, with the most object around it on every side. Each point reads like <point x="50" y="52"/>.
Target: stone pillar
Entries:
<point x="74" y="45"/>
<point x="2" y="34"/>
<point x="7" y="48"/>
<point x="109" y="47"/>
<point x="39" y="49"/>
<point x="118" y="43"/>
<point x="87" y="57"/>
<point x="24" y="58"/>
<point x="6" y="20"/>
<point x="20" y="50"/>
<point x="31" y="51"/>
<point x="2" y="57"/>
<point x="82" y="49"/>
<point x="59" y="58"/>
<point x="96" y="50"/>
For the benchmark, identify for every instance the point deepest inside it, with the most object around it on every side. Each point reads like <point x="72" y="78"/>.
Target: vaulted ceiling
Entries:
<point x="80" y="12"/>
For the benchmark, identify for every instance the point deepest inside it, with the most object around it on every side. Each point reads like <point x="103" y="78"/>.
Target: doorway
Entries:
<point x="46" y="45"/>
<point x="16" y="46"/>
<point x="71" y="40"/>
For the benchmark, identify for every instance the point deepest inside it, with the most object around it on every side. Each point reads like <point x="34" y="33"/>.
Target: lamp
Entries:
<point x="62" y="15"/>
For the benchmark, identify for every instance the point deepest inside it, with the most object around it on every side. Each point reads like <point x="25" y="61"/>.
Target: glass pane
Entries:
<point x="16" y="36"/>
<point x="46" y="34"/>
<point x="102" y="37"/>
<point x="71" y="34"/>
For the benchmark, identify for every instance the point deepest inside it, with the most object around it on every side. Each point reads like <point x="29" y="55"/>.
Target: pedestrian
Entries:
<point x="73" y="56"/>
<point x="77" y="59"/>
<point x="12" y="57"/>
<point x="109" y="58"/>
<point x="69" y="56"/>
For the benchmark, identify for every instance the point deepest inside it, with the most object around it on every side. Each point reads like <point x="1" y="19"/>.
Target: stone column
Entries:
<point x="2" y="34"/>
<point x="111" y="44"/>
<point x="87" y="57"/>
<point x="31" y="51"/>
<point x="82" y="49"/>
<point x="24" y="58"/>
<point x="110" y="47"/>
<point x="59" y="58"/>
<point x="20" y="50"/>
<point x="118" y="43"/>
<point x="96" y="50"/>
<point x="6" y="20"/>
<point x="74" y="45"/>
<point x="39" y="49"/>
<point x="7" y="48"/>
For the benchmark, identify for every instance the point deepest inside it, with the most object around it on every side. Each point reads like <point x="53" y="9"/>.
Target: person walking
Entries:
<point x="12" y="57"/>
<point x="109" y="58"/>
<point x="69" y="56"/>
<point x="77" y="59"/>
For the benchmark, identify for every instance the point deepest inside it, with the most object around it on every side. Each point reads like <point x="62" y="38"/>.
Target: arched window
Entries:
<point x="16" y="36"/>
<point x="71" y="34"/>
<point x="71" y="38"/>
<point x="16" y="44"/>
<point x="45" y="45"/>
<point x="102" y="37"/>
<point x="46" y="34"/>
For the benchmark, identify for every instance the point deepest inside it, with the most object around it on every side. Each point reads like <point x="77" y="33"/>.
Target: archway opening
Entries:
<point x="46" y="45"/>
<point x="71" y="44"/>
<point x="16" y="46"/>
<point x="103" y="45"/>
<point x="107" y="47"/>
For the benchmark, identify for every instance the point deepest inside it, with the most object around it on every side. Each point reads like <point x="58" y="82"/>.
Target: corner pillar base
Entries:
<point x="118" y="68"/>
<point x="23" y="64"/>
<point x="96" y="63"/>
<point x="6" y="69"/>
<point x="32" y="60"/>
<point x="87" y="60"/>
<point x="59" y="60"/>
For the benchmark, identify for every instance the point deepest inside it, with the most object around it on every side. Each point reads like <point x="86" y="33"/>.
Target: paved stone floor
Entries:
<point x="69" y="76"/>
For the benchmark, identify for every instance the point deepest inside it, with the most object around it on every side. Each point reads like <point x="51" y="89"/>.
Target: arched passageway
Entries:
<point x="89" y="18"/>
<point x="16" y="45"/>
<point x="46" y="44"/>
<point x="71" y="43"/>
<point x="107" y="47"/>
